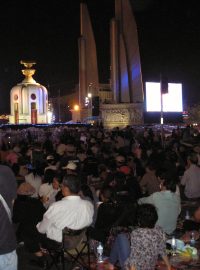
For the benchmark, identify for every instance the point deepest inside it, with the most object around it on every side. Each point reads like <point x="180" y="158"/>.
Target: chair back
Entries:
<point x="72" y="238"/>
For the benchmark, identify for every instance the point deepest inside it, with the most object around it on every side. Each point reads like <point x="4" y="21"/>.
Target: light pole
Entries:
<point x="89" y="104"/>
<point x="163" y="90"/>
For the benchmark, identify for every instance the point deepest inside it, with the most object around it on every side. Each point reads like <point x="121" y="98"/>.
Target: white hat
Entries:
<point x="71" y="166"/>
<point x="50" y="157"/>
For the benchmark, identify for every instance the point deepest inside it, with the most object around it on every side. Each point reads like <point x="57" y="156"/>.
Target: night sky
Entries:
<point x="169" y="39"/>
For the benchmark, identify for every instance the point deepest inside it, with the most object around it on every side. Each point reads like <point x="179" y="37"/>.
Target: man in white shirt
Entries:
<point x="72" y="211"/>
<point x="191" y="178"/>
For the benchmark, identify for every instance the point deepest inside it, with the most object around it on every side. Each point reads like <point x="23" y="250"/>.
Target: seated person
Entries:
<point x="194" y="222"/>
<point x="48" y="191"/>
<point x="146" y="243"/>
<point x="27" y="212"/>
<point x="191" y="178"/>
<point x="107" y="214"/>
<point x="71" y="212"/>
<point x="150" y="182"/>
<point x="167" y="203"/>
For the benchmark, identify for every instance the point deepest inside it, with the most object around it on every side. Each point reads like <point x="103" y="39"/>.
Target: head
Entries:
<point x="71" y="168"/>
<point x="16" y="169"/>
<point x="49" y="176"/>
<point x="25" y="189"/>
<point x="107" y="194"/>
<point x="120" y="160"/>
<point x="60" y="150"/>
<point x="70" y="150"/>
<point x="50" y="159"/>
<point x="71" y="185"/>
<point x="86" y="192"/>
<point x="16" y="149"/>
<point x="168" y="181"/>
<point x="147" y="216"/>
<point x="192" y="159"/>
<point x="151" y="166"/>
<point x="56" y="182"/>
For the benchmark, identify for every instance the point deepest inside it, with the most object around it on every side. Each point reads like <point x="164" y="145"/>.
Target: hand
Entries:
<point x="45" y="199"/>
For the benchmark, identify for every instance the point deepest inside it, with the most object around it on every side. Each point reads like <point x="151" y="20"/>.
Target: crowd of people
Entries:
<point x="124" y="185"/>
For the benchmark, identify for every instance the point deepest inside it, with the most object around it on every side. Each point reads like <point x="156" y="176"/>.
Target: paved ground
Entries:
<point x="25" y="257"/>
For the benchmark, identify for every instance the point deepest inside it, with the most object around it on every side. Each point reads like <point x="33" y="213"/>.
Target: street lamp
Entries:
<point x="76" y="108"/>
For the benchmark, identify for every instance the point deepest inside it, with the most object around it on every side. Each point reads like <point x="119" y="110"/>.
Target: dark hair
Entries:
<point x="193" y="158"/>
<point x="169" y="181"/>
<point x="49" y="176"/>
<point x="147" y="215"/>
<point x="151" y="165"/>
<point x="87" y="191"/>
<point x="15" y="169"/>
<point x="108" y="193"/>
<point x="72" y="182"/>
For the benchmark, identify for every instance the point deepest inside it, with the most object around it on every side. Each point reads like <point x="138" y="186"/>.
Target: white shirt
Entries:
<point x="34" y="181"/>
<point x="72" y="212"/>
<point x="191" y="181"/>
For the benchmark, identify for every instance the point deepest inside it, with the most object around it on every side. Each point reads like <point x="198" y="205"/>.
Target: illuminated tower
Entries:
<point x="28" y="99"/>
<point x="88" y="70"/>
<point x="126" y="77"/>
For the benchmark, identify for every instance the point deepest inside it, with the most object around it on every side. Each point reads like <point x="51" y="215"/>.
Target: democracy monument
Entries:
<point x="127" y="103"/>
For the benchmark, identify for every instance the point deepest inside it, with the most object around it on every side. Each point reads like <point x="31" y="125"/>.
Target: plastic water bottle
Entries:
<point x="187" y="215"/>
<point x="173" y="245"/>
<point x="100" y="253"/>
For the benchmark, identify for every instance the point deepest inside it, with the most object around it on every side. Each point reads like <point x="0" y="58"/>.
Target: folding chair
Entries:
<point x="75" y="245"/>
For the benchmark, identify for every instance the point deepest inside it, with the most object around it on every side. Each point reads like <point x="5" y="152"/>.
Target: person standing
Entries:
<point x="8" y="193"/>
<point x="191" y="178"/>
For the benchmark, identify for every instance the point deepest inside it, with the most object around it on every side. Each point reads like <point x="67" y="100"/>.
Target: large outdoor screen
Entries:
<point x="172" y="101"/>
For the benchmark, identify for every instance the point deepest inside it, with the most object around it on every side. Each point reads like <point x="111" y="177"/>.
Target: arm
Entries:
<point x="142" y="183"/>
<point x="166" y="260"/>
<point x="148" y="199"/>
<point x="46" y="221"/>
<point x="43" y="225"/>
<point x="184" y="178"/>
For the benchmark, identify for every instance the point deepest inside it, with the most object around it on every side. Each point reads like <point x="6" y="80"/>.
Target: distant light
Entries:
<point x="89" y="95"/>
<point x="49" y="117"/>
<point x="76" y="107"/>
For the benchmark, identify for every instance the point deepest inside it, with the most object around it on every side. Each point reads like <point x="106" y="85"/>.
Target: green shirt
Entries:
<point x="168" y="207"/>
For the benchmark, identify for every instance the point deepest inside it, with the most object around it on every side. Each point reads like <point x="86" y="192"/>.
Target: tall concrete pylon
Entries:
<point x="88" y="69"/>
<point x="126" y="76"/>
